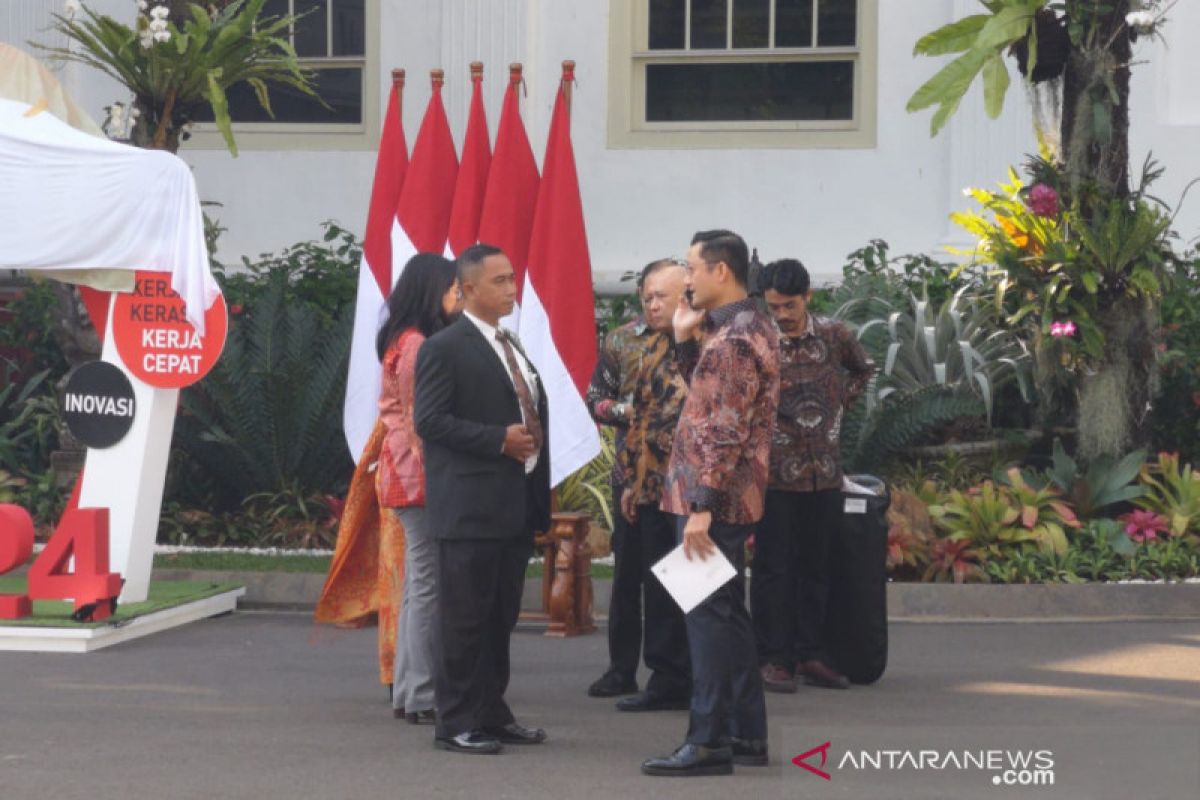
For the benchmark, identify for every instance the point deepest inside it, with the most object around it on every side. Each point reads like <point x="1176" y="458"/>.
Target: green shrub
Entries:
<point x="268" y="418"/>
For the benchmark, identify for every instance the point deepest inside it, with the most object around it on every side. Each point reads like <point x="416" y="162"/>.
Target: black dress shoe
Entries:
<point x="472" y="743"/>
<point x="512" y="733"/>
<point x="611" y="684"/>
<point x="749" y="752"/>
<point x="415" y="717"/>
<point x="652" y="701"/>
<point x="691" y="760"/>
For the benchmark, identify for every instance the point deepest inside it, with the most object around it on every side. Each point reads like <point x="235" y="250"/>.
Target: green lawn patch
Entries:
<point x="242" y="562"/>
<point x="246" y="562"/>
<point x="163" y="594"/>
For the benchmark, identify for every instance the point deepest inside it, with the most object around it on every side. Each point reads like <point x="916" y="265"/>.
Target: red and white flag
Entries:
<point x="428" y="193"/>
<point x="375" y="275"/>
<point x="473" y="172"/>
<point x="557" y="324"/>
<point x="512" y="188"/>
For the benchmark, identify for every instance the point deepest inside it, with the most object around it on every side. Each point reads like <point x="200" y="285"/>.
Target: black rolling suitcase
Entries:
<point x="856" y="620"/>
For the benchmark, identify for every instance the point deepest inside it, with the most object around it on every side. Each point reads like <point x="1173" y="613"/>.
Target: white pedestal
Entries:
<point x="128" y="478"/>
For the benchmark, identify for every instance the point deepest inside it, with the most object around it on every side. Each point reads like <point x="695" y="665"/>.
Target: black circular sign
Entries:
<point x="98" y="404"/>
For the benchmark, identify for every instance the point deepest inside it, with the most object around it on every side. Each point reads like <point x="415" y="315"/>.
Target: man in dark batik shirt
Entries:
<point x="609" y="397"/>
<point x="715" y="486"/>
<point x="823" y="370"/>
<point x="658" y="394"/>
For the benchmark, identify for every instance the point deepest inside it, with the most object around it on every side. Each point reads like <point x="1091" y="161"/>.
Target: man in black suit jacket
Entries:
<point x="487" y="489"/>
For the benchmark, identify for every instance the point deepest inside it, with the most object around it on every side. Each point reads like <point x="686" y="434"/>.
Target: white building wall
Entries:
<point x="814" y="204"/>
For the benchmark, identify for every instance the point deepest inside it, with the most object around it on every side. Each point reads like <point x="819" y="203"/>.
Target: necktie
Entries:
<point x="524" y="396"/>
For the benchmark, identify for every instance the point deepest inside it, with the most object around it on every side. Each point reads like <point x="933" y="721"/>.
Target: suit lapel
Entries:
<point x="485" y="352"/>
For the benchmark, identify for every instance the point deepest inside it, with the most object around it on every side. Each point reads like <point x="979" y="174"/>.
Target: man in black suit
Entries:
<point x="481" y="412"/>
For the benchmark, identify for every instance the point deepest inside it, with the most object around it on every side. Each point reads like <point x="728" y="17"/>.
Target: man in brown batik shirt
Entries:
<point x="609" y="398"/>
<point x="715" y="486"/>
<point x="658" y="394"/>
<point x="823" y="370"/>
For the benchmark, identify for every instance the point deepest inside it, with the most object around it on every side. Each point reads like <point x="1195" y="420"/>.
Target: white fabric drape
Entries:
<point x="69" y="200"/>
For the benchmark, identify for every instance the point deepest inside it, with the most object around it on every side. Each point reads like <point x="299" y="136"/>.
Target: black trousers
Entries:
<point x="478" y="599"/>
<point x="727" y="692"/>
<point x="663" y="636"/>
<point x="789" y="590"/>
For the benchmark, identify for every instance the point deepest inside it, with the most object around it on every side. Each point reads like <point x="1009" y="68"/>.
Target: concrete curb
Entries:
<point x="907" y="602"/>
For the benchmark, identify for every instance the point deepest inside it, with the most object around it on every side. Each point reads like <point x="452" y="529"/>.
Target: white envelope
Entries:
<point x="691" y="582"/>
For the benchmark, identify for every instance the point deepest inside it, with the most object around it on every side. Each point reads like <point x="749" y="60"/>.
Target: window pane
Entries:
<point x="751" y="23"/>
<point x="793" y="23"/>
<point x="836" y="22"/>
<point x="349" y="28"/>
<point x="772" y="91"/>
<point x="708" y="24"/>
<point x="341" y="88"/>
<point x="311" y="29"/>
<point x="666" y="24"/>
<point x="273" y="9"/>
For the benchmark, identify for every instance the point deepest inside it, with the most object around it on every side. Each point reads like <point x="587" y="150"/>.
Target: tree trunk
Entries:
<point x="1095" y="129"/>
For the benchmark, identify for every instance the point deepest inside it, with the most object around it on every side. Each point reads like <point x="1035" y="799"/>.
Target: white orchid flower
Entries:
<point x="1142" y="21"/>
<point x="146" y="38"/>
<point x="142" y="5"/>
<point x="159" y="12"/>
<point x="162" y="36"/>
<point x="71" y="8"/>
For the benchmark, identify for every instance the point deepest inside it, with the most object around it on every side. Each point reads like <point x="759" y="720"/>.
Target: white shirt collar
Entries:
<point x="488" y="330"/>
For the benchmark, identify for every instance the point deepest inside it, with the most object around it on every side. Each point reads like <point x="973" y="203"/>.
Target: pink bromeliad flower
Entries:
<point x="1142" y="525"/>
<point x="1043" y="200"/>
<point x="1060" y="329"/>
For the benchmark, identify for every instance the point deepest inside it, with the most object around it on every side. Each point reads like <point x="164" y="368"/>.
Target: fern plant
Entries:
<point x="267" y="419"/>
<point x="903" y="420"/>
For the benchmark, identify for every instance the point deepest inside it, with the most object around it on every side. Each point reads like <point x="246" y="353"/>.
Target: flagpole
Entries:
<point x="514" y="73"/>
<point x="568" y="81"/>
<point x="398" y="85"/>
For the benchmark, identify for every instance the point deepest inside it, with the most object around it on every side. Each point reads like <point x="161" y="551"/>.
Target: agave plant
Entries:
<point x="177" y="65"/>
<point x="961" y="345"/>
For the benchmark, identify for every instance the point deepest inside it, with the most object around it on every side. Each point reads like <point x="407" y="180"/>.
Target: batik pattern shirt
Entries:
<point x="613" y="379"/>
<point x="721" y="451"/>
<point x="658" y="395"/>
<point x="400" y="478"/>
<point x="822" y="372"/>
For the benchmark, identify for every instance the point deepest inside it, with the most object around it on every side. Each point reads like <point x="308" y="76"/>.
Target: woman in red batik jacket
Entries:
<point x="425" y="298"/>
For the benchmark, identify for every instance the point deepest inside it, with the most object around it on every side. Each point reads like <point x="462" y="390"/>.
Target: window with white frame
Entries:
<point x="772" y="72"/>
<point x="331" y="39"/>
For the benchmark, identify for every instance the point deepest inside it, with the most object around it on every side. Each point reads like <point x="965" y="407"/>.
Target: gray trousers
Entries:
<point x="412" y="682"/>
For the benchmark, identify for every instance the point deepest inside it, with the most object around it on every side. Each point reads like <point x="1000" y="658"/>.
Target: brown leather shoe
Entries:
<point x="817" y="673"/>
<point x="777" y="679"/>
